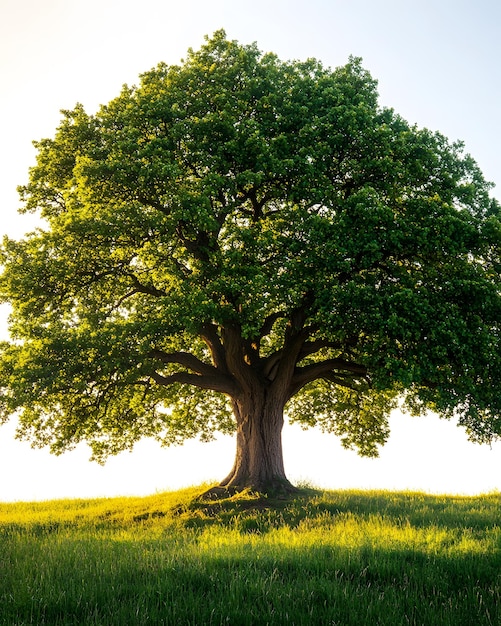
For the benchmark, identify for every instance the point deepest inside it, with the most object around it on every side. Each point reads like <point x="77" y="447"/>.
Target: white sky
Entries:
<point x="437" y="62"/>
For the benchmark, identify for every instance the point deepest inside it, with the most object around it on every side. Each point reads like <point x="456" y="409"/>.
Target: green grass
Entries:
<point x="321" y="557"/>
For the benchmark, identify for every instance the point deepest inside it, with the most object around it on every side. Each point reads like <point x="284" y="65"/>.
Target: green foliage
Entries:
<point x="343" y="557"/>
<point x="240" y="221"/>
<point x="348" y="413"/>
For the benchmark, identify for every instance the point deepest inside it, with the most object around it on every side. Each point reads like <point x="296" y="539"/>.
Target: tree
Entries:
<point x="238" y="236"/>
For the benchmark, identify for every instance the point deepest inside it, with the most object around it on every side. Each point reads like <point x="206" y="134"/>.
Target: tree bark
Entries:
<point x="259" y="458"/>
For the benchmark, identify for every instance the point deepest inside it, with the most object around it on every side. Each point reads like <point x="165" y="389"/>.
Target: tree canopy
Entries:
<point x="238" y="235"/>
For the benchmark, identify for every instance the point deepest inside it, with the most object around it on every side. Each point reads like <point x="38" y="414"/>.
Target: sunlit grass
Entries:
<point x="320" y="558"/>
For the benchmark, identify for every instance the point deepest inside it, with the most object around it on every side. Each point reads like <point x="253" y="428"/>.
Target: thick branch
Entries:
<point x="331" y="369"/>
<point x="211" y="338"/>
<point x="343" y="380"/>
<point x="217" y="382"/>
<point x="148" y="289"/>
<point x="271" y="364"/>
<point x="293" y="350"/>
<point x="187" y="360"/>
<point x="295" y="338"/>
<point x="268" y="323"/>
<point x="199" y="244"/>
<point x="233" y="345"/>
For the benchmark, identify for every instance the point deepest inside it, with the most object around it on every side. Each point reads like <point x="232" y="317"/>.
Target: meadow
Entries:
<point x="335" y="558"/>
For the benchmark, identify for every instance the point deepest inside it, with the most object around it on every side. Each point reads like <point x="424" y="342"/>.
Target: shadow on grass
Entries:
<point x="255" y="512"/>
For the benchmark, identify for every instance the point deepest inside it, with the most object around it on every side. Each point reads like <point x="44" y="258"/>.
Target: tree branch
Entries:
<point x="268" y="323"/>
<point x="202" y="375"/>
<point x="295" y="338"/>
<point x="185" y="359"/>
<point x="330" y="369"/>
<point x="346" y="381"/>
<point x="271" y="364"/>
<point x="210" y="336"/>
<point x="121" y="300"/>
<point x="141" y="288"/>
<point x="232" y="343"/>
<point x="219" y="382"/>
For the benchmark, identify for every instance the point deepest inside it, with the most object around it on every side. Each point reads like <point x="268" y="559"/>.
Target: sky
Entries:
<point x="437" y="63"/>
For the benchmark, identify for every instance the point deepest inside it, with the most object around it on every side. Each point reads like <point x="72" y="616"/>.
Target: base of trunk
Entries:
<point x="275" y="490"/>
<point x="276" y="485"/>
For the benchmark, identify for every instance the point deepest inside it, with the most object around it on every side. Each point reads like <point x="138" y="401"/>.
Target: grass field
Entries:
<point x="322" y="557"/>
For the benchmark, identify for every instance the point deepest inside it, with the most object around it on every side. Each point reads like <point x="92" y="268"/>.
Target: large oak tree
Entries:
<point x="240" y="236"/>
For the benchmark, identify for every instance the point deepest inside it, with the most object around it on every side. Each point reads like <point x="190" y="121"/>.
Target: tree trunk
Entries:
<point x="259" y="461"/>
